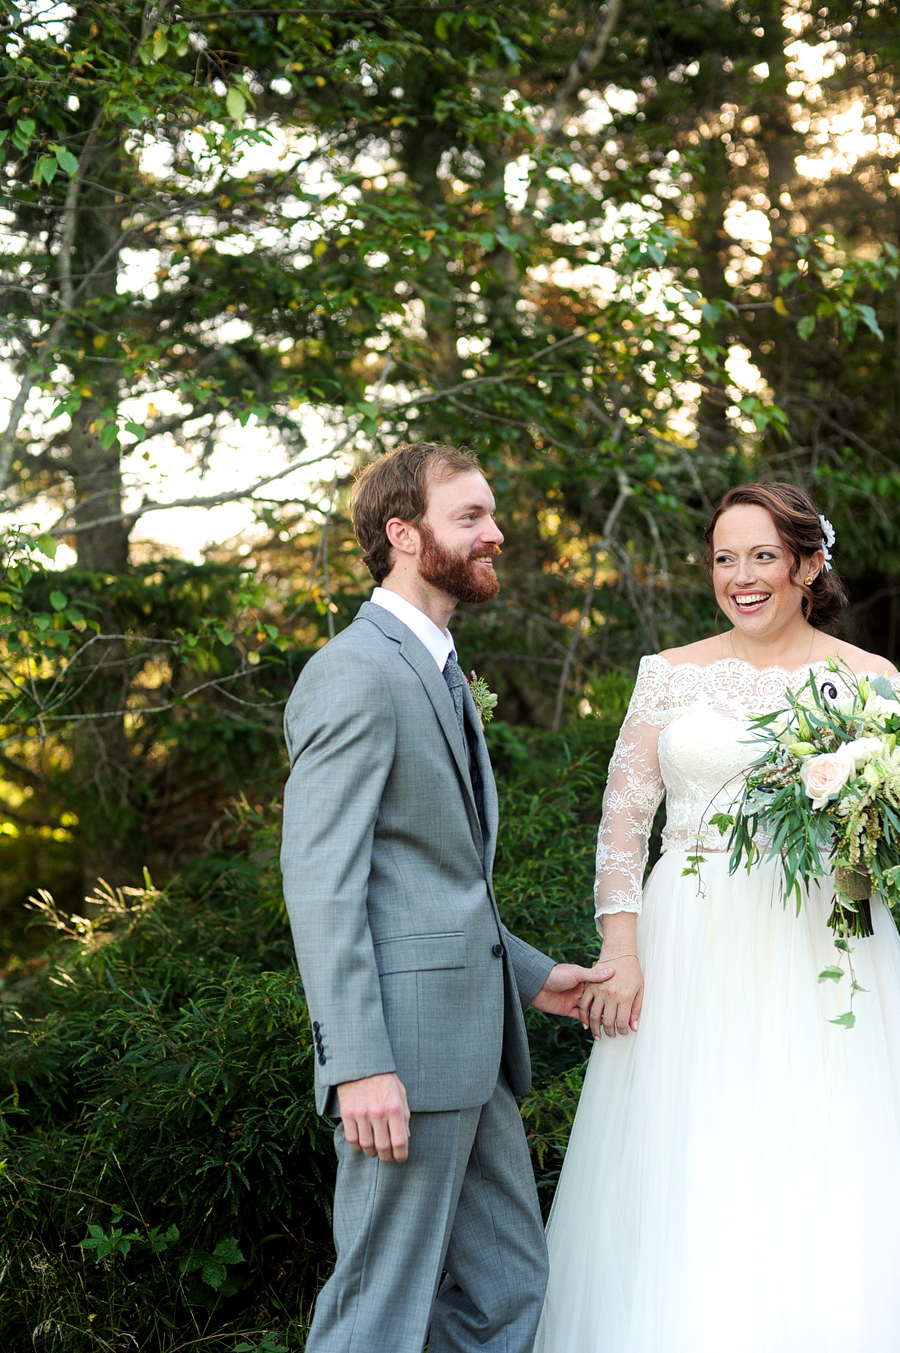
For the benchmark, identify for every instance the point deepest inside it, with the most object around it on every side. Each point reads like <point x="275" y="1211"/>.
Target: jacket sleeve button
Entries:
<point x="316" y="1026"/>
<point x="322" y="1059"/>
<point x="497" y="950"/>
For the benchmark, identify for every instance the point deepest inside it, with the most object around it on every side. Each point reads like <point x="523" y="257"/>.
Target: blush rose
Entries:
<point x="825" y="776"/>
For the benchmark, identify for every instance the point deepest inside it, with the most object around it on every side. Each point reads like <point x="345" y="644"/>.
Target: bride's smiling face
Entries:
<point x="756" y="583"/>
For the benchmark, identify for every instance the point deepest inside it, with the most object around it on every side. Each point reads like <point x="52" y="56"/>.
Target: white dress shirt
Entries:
<point x="438" y="642"/>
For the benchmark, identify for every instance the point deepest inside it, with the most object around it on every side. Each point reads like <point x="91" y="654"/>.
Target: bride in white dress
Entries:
<point x="732" y="1182"/>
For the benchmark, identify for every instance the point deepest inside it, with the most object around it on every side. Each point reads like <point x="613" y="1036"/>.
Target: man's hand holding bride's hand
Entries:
<point x="615" y="1006"/>
<point x="564" y="989"/>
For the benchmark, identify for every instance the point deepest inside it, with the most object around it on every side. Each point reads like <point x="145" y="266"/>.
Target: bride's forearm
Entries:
<point x="619" y="929"/>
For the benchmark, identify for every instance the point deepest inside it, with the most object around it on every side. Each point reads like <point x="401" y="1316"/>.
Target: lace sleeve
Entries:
<point x="634" y="791"/>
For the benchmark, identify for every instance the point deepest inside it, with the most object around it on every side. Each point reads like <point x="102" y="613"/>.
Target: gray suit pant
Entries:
<point x="464" y="1202"/>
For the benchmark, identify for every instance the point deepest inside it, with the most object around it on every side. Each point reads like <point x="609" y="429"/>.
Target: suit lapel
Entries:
<point x="423" y="664"/>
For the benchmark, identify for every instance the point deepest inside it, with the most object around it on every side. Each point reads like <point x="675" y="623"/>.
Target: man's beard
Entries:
<point x="460" y="578"/>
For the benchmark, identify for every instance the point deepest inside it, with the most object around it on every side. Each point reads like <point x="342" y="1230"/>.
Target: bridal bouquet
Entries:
<point x="825" y="790"/>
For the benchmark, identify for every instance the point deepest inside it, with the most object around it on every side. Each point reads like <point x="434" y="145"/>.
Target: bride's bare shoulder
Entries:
<point x="701" y="652"/>
<point x="858" y="658"/>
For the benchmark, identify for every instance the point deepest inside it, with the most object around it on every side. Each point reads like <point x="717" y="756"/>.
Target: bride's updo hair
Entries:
<point x="799" y="527"/>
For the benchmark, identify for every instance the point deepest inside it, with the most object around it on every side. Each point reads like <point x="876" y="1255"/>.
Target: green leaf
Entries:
<point x="867" y="315"/>
<point x="59" y="601"/>
<point x="45" y="168"/>
<point x="805" y="326"/>
<point x="236" y="103"/>
<point x="723" y="822"/>
<point x="66" y="160"/>
<point x="48" y="545"/>
<point x="224" y="636"/>
<point x="440" y="27"/>
<point x="846" y="1021"/>
<point x="108" y="435"/>
<point x="228" y="1251"/>
<point x="213" y="1272"/>
<point x="831" y="975"/>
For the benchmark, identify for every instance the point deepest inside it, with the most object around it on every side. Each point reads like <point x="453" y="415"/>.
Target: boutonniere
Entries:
<point x="484" y="698"/>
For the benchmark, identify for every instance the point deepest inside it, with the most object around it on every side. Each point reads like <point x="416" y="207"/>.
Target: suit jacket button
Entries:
<point x="322" y="1059"/>
<point x="316" y="1026"/>
<point x="497" y="950"/>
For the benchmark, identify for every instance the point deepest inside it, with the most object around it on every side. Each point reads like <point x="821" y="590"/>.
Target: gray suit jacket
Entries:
<point x="387" y="877"/>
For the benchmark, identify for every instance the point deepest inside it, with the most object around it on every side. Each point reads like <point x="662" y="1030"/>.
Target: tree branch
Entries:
<point x="235" y="495"/>
<point x="214" y="500"/>
<point x="327" y="13"/>
<point x="566" y="101"/>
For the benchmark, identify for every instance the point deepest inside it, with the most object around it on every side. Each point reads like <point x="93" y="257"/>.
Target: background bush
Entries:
<point x="166" y="1178"/>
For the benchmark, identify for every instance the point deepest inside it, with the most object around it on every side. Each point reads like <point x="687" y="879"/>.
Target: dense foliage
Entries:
<point x="629" y="255"/>
<point x="165" y="1171"/>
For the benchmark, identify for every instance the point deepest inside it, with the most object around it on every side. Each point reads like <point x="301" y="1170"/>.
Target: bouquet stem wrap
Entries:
<point x="852" y="912"/>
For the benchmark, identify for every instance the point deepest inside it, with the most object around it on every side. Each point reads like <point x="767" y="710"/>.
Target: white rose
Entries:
<point x="825" y="776"/>
<point x="861" y="750"/>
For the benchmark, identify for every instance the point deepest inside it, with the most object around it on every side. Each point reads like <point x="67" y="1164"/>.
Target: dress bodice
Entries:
<point x="687" y="737"/>
<point x="703" y="755"/>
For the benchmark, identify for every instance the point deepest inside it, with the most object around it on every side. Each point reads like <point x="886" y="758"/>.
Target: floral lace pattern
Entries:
<point x="685" y="737"/>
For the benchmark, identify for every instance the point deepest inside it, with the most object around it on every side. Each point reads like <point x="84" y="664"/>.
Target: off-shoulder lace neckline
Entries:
<point x="742" y="662"/>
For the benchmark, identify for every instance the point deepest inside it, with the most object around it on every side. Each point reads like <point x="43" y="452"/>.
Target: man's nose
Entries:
<point x="492" y="534"/>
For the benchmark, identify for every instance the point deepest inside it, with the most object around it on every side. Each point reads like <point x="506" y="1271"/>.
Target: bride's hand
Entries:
<point x="615" y="1006"/>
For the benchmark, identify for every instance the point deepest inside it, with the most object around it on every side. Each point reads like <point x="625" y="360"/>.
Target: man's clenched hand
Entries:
<point x="375" y="1115"/>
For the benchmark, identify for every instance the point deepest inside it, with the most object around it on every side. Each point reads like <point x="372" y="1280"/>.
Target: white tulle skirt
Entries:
<point x="732" y="1182"/>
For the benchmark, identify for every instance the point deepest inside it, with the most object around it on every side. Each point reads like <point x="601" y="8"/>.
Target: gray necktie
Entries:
<point x="453" y="675"/>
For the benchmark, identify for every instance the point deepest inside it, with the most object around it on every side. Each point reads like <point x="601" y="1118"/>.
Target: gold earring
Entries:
<point x="808" y="580"/>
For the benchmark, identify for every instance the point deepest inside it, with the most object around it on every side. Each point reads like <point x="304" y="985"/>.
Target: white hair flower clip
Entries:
<point x="827" y="542"/>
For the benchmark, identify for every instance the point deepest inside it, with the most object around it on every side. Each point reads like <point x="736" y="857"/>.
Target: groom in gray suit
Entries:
<point x="416" y="989"/>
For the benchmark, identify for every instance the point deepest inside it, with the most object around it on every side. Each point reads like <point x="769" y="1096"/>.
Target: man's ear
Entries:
<point x="402" y="535"/>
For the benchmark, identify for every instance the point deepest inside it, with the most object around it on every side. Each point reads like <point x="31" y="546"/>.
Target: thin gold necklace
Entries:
<point x="747" y="660"/>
